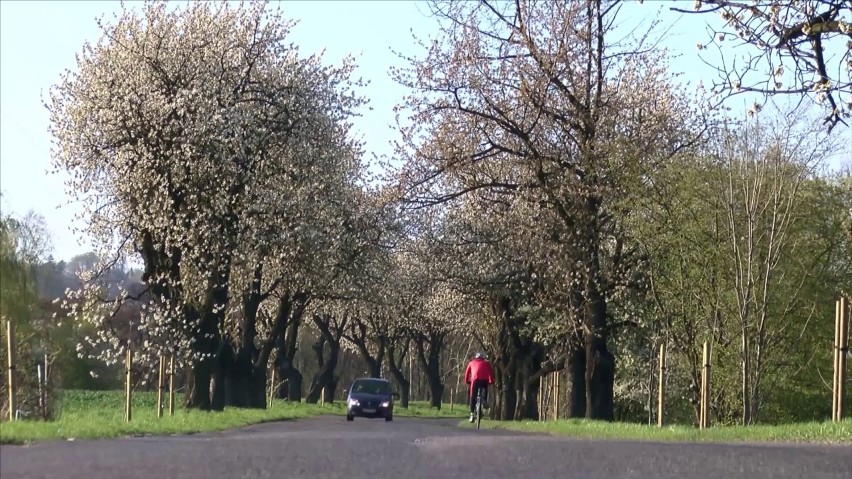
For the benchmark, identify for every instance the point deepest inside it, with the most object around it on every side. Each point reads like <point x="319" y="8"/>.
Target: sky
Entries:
<point x="39" y="40"/>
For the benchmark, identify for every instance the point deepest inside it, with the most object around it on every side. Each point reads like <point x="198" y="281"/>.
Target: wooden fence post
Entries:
<point x="160" y="385"/>
<point x="172" y="385"/>
<point x="651" y="371"/>
<point x="10" y="349"/>
<point x="556" y="397"/>
<point x="272" y="388"/>
<point x="41" y="397"/>
<point x="705" y="388"/>
<point x="128" y="405"/>
<point x="842" y="351"/>
<point x="540" y="397"/>
<point x="45" y="379"/>
<point x="322" y="397"/>
<point x="835" y="370"/>
<point x="661" y="394"/>
<point x="452" y="398"/>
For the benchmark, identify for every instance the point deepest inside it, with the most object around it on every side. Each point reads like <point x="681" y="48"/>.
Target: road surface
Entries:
<point x="408" y="448"/>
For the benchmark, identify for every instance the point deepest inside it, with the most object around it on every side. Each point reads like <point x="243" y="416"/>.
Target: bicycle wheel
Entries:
<point x="478" y="408"/>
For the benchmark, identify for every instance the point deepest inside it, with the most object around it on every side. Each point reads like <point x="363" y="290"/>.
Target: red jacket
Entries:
<point x="478" y="369"/>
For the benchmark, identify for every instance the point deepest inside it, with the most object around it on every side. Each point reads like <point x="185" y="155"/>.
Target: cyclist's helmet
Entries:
<point x="478" y="356"/>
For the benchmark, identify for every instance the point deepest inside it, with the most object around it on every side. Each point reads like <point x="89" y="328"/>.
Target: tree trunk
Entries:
<point x="506" y="362"/>
<point x="508" y="396"/>
<point x="246" y="377"/>
<point x="600" y="363"/>
<point x="325" y="378"/>
<point x="600" y="379"/>
<point x="217" y="389"/>
<point x="374" y="363"/>
<point x="746" y="377"/>
<point x="286" y="347"/>
<point x="200" y="377"/>
<point x="360" y="337"/>
<point x="531" y="366"/>
<point x="245" y="383"/>
<point x="531" y="398"/>
<point x="527" y="407"/>
<point x="293" y="382"/>
<point x="577" y="381"/>
<point x="436" y="386"/>
<point x="330" y="335"/>
<point x="497" y="410"/>
<point x="758" y="373"/>
<point x="208" y="391"/>
<point x="285" y="368"/>
<point x="206" y="349"/>
<point x="431" y="364"/>
<point x="396" y="371"/>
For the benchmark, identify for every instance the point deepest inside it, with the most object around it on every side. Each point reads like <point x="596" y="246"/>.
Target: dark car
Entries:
<point x="370" y="397"/>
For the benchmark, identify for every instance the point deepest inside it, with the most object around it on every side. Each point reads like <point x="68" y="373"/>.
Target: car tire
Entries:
<point x="388" y="418"/>
<point x="350" y="417"/>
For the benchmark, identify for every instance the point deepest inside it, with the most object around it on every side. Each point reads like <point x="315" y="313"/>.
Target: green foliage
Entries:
<point x="16" y="288"/>
<point x="19" y="250"/>
<point x="744" y="239"/>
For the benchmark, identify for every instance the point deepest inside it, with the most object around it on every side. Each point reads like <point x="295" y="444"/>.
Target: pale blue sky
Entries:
<point x="38" y="40"/>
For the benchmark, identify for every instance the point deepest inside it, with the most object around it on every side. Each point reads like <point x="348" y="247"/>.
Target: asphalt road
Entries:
<point x="329" y="447"/>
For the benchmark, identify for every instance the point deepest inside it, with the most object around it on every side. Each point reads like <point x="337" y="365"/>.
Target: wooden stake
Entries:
<point x="556" y="398"/>
<point x="650" y="390"/>
<point x="273" y="389"/>
<point x="661" y="394"/>
<point x="452" y="398"/>
<point x="844" y="350"/>
<point x="10" y="349"/>
<point x="540" y="397"/>
<point x="41" y="405"/>
<point x="835" y="370"/>
<point x="705" y="388"/>
<point x="128" y="405"/>
<point x="410" y="374"/>
<point x="172" y="385"/>
<point x="45" y="379"/>
<point x="160" y="385"/>
<point x="322" y="397"/>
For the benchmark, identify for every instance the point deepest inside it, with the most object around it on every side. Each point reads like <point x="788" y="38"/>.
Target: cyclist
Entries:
<point x="479" y="375"/>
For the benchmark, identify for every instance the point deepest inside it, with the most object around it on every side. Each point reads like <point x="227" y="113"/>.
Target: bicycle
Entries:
<point x="478" y="407"/>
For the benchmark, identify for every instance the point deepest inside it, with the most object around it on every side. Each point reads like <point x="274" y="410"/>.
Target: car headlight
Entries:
<point x="354" y="402"/>
<point x="386" y="404"/>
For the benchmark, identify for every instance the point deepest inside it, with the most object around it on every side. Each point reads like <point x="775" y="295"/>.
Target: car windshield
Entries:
<point x="371" y="387"/>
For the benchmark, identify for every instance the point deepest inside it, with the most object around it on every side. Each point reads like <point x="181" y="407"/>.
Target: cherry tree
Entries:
<point x="188" y="135"/>
<point x="539" y="100"/>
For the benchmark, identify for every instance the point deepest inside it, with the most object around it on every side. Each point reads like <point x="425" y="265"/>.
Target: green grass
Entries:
<point x="821" y="432"/>
<point x="100" y="414"/>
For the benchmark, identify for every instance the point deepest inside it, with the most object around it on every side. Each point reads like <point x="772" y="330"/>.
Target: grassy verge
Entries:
<point x="820" y="432"/>
<point x="100" y="414"/>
